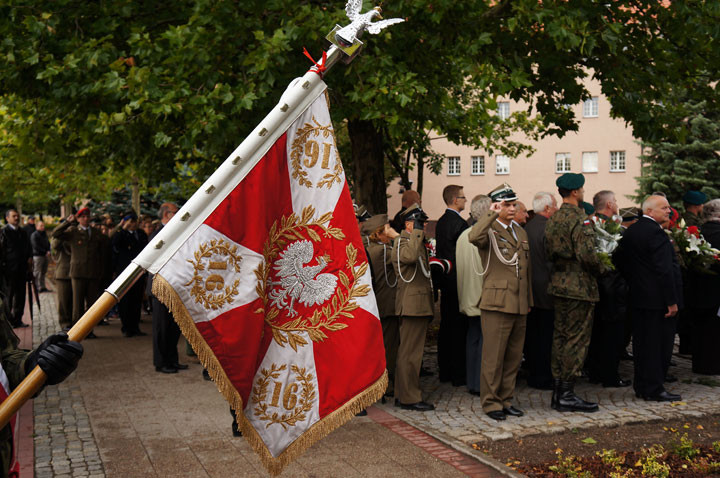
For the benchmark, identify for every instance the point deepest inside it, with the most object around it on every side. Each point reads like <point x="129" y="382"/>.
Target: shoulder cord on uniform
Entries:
<point x="425" y="272"/>
<point x="513" y="261"/>
<point x="475" y="266"/>
<point x="385" y="268"/>
<point x="366" y="240"/>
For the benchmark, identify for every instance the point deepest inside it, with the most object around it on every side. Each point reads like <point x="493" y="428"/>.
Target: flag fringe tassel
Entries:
<point x="167" y="295"/>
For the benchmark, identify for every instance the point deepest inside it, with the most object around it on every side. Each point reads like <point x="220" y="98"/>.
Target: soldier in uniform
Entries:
<point x="16" y="259"/>
<point x="379" y="236"/>
<point x="85" y="260"/>
<point x="60" y="251"/>
<point x="57" y="357"/>
<point x="413" y="306"/>
<point x="693" y="202"/>
<point x="570" y="246"/>
<point x="505" y="303"/>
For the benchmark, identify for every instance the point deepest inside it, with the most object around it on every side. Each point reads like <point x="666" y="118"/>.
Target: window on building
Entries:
<point x="562" y="162"/>
<point x="617" y="161"/>
<point x="590" y="107"/>
<point x="503" y="110"/>
<point x="477" y="165"/>
<point x="590" y="162"/>
<point x="454" y="166"/>
<point x="502" y="164"/>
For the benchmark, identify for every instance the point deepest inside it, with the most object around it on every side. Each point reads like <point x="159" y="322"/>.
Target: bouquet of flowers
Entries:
<point x="607" y="235"/>
<point x="693" y="249"/>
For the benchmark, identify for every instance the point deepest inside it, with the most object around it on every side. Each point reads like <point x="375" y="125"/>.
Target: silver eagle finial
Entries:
<point x="348" y="35"/>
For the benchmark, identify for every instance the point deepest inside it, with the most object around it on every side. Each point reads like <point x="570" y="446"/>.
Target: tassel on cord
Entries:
<point x="165" y="293"/>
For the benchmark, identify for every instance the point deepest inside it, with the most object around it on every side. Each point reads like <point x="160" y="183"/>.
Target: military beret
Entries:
<point x="570" y="181"/>
<point x="589" y="209"/>
<point x="413" y="213"/>
<point x="83" y="212"/>
<point x="695" y="197"/>
<point x="373" y="223"/>
<point x="503" y="193"/>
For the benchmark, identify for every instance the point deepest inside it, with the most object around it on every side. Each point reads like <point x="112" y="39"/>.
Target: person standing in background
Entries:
<point x="41" y="252"/>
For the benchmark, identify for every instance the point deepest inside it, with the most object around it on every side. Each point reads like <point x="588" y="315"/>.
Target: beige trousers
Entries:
<point x="409" y="359"/>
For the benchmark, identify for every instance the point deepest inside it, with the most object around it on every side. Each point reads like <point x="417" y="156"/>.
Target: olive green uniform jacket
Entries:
<point x="415" y="297"/>
<point x="384" y="279"/>
<point x="506" y="288"/>
<point x="85" y="251"/>
<point x="570" y="246"/>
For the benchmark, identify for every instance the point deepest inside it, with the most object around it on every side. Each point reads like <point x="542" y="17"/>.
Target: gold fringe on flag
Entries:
<point x="165" y="293"/>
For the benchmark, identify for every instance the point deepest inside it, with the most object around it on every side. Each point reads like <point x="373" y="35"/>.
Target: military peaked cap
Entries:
<point x="570" y="181"/>
<point x="414" y="213"/>
<point x="374" y="223"/>
<point x="695" y="197"/>
<point x="503" y="193"/>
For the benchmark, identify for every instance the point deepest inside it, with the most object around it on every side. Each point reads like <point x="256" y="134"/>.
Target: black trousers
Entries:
<point x="452" y="338"/>
<point x="15" y="294"/>
<point x="653" y="337"/>
<point x="606" y="346"/>
<point x="706" y="335"/>
<point x="538" y="347"/>
<point x="129" y="308"/>
<point x="165" y="335"/>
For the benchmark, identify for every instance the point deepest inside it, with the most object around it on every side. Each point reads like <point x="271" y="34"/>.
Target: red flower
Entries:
<point x="694" y="231"/>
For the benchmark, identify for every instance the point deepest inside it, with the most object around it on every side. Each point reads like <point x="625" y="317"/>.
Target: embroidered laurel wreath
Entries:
<point x="325" y="318"/>
<point x="297" y="404"/>
<point x="305" y="146"/>
<point x="202" y="287"/>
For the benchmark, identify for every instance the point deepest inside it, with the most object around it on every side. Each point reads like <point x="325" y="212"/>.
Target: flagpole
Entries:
<point x="297" y="97"/>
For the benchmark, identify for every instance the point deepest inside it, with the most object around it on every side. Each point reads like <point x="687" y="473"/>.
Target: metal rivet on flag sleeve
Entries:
<point x="236" y="160"/>
<point x="159" y="244"/>
<point x="263" y="132"/>
<point x="306" y="85"/>
<point x="185" y="216"/>
<point x="284" y="107"/>
<point x="210" y="189"/>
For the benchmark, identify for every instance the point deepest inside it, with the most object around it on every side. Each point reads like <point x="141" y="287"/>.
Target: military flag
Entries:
<point x="273" y="291"/>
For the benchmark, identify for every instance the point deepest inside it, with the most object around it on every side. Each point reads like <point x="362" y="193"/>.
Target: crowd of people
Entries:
<point x="529" y="289"/>
<point x="88" y="252"/>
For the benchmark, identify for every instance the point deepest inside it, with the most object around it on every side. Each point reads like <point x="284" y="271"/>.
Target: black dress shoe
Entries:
<point x="361" y="413"/>
<point x="498" y="415"/>
<point x="180" y="366"/>
<point x="670" y="378"/>
<point x="104" y="322"/>
<point x="513" y="412"/>
<point x="627" y="356"/>
<point x="664" y="396"/>
<point x="474" y="392"/>
<point x="620" y="383"/>
<point x="425" y="372"/>
<point x="166" y="369"/>
<point x="417" y="407"/>
<point x="206" y="375"/>
<point x="140" y="333"/>
<point x="21" y="325"/>
<point x="91" y="335"/>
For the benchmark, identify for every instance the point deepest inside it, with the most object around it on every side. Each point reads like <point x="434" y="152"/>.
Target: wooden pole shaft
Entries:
<point x="36" y="378"/>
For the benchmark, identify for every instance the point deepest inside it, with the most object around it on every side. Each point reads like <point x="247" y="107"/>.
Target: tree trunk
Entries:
<point x="420" y="175"/>
<point x="18" y="207"/>
<point x="136" y="196"/>
<point x="368" y="166"/>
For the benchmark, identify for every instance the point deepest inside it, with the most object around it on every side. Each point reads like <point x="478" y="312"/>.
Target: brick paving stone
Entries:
<point x="64" y="444"/>
<point x="458" y="416"/>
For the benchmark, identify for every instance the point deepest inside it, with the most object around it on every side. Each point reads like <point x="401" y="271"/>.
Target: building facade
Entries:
<point x="603" y="149"/>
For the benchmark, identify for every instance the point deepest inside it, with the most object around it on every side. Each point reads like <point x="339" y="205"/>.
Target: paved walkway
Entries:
<point x="459" y="418"/>
<point x="117" y="417"/>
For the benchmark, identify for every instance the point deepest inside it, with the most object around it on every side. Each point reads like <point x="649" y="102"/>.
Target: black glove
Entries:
<point x="418" y="225"/>
<point x="58" y="357"/>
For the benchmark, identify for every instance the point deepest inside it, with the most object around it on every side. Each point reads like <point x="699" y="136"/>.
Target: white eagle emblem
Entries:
<point x="301" y="282"/>
<point x="360" y="22"/>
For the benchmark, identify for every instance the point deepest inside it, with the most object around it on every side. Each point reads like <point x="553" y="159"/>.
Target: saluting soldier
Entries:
<point x="505" y="302"/>
<point x="85" y="260"/>
<point x="570" y="246"/>
<point x="60" y="251"/>
<point x="413" y="306"/>
<point x="693" y="202"/>
<point x="378" y="236"/>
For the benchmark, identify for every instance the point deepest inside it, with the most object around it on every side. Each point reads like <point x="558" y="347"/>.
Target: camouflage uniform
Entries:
<point x="692" y="219"/>
<point x="570" y="242"/>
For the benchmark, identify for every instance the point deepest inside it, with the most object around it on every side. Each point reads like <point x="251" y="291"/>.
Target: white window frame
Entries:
<point x="597" y="167"/>
<point x="477" y="165"/>
<point x="505" y="169"/>
<point x="566" y="165"/>
<point x="620" y="156"/>
<point x="503" y="110"/>
<point x="453" y="163"/>
<point x="591" y="107"/>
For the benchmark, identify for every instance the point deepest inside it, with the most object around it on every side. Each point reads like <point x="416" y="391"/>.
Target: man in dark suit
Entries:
<point x="453" y="324"/>
<point x="127" y="243"/>
<point x="165" y="331"/>
<point x="15" y="259"/>
<point x="647" y="260"/>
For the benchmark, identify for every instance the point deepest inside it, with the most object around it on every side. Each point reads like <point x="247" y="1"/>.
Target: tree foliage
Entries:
<point x="154" y="91"/>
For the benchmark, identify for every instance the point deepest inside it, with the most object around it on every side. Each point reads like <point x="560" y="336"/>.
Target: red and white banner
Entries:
<point x="274" y="293"/>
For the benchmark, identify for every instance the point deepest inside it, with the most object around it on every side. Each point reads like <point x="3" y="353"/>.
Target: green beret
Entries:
<point x="695" y="198"/>
<point x="570" y="181"/>
<point x="589" y="209"/>
<point x="373" y="224"/>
